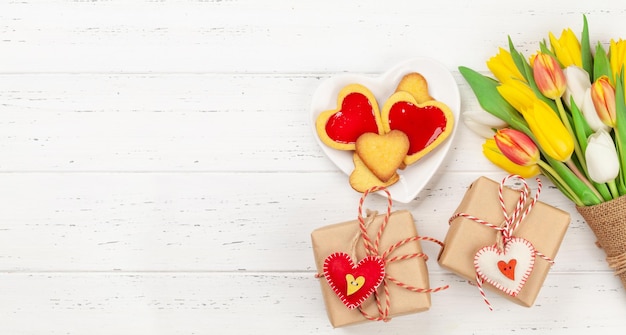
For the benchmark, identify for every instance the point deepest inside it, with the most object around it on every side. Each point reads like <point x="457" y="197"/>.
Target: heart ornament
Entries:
<point x="509" y="269"/>
<point x="353" y="284"/>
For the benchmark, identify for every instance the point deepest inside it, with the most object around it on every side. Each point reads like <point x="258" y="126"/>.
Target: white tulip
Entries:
<point x="590" y="114"/>
<point x="601" y="156"/>
<point x="577" y="82"/>
<point x="482" y="123"/>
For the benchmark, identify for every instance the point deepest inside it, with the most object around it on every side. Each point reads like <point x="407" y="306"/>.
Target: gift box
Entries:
<point x="406" y="280"/>
<point x="543" y="227"/>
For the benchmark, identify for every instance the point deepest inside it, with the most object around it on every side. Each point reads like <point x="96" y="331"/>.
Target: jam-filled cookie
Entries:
<point x="357" y="112"/>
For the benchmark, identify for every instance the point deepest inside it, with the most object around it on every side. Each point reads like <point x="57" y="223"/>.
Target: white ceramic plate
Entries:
<point x="441" y="86"/>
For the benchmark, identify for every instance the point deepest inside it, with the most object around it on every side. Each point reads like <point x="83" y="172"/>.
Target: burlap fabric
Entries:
<point x="608" y="222"/>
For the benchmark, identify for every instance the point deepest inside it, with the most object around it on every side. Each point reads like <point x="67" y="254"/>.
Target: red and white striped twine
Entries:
<point x="479" y="284"/>
<point x="373" y="249"/>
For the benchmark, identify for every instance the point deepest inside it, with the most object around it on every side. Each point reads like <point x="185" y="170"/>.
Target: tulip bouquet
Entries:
<point x="562" y="113"/>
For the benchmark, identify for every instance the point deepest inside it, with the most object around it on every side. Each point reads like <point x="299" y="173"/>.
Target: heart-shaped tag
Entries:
<point x="507" y="270"/>
<point x="353" y="284"/>
<point x="427" y="124"/>
<point x="357" y="113"/>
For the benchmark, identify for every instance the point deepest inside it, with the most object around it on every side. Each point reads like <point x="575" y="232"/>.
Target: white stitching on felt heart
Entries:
<point x="337" y="277"/>
<point x="505" y="234"/>
<point x="487" y="259"/>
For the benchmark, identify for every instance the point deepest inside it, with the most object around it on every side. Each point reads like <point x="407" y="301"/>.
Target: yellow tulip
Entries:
<point x="518" y="94"/>
<point x="567" y="48"/>
<point x="549" y="131"/>
<point x="549" y="76"/>
<point x="494" y="155"/>
<point x="617" y="56"/>
<point x="503" y="67"/>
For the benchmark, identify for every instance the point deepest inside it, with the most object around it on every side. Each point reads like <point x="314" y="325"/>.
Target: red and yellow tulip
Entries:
<point x="494" y="155"/>
<point x="603" y="96"/>
<point x="517" y="146"/>
<point x="548" y="76"/>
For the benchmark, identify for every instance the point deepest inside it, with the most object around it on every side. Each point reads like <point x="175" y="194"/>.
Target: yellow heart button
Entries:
<point x="354" y="284"/>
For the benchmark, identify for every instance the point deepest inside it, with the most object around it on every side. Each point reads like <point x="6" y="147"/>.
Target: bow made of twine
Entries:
<point x="383" y="303"/>
<point x="511" y="221"/>
<point x="373" y="249"/>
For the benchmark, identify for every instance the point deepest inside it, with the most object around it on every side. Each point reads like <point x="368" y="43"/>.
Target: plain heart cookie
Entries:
<point x="357" y="113"/>
<point x="416" y="85"/>
<point x="362" y="179"/>
<point x="426" y="124"/>
<point x="383" y="154"/>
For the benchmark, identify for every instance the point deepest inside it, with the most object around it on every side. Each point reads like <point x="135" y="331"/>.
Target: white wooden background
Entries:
<point x="159" y="175"/>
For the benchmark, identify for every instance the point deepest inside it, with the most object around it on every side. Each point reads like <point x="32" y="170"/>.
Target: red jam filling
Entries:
<point x="421" y="124"/>
<point x="355" y="118"/>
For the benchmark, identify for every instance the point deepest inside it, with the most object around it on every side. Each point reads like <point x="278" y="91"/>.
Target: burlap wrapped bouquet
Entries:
<point x="562" y="113"/>
<point x="607" y="222"/>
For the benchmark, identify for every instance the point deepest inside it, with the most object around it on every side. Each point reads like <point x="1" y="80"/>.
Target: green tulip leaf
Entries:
<point x="585" y="48"/>
<point x="544" y="49"/>
<point x="620" y="125"/>
<point x="581" y="126"/>
<point x="517" y="58"/>
<point x="490" y="100"/>
<point x="601" y="64"/>
<point x="582" y="191"/>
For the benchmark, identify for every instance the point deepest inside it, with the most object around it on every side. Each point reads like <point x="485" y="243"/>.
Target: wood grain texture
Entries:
<point x="196" y="303"/>
<point x="277" y="36"/>
<point x="159" y="173"/>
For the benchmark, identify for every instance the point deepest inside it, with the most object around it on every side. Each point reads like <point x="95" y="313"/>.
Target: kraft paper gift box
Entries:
<point x="544" y="227"/>
<point x="345" y="237"/>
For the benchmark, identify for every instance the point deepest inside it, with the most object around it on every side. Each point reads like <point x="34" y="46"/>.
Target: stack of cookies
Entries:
<point x="411" y="124"/>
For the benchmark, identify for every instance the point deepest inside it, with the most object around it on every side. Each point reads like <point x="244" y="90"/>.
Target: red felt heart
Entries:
<point x="353" y="284"/>
<point x="426" y="124"/>
<point x="356" y="113"/>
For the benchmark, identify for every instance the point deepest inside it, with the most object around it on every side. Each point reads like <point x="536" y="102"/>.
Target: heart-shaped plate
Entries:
<point x="441" y="86"/>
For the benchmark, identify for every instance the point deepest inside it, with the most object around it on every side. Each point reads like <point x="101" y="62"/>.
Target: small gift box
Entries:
<point x="372" y="268"/>
<point x="504" y="239"/>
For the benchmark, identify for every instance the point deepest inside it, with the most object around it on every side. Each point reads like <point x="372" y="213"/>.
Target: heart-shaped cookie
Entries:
<point x="506" y="270"/>
<point x="427" y="124"/>
<point x="416" y="85"/>
<point x="357" y="113"/>
<point x="353" y="284"/>
<point x="383" y="154"/>
<point x="362" y="179"/>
